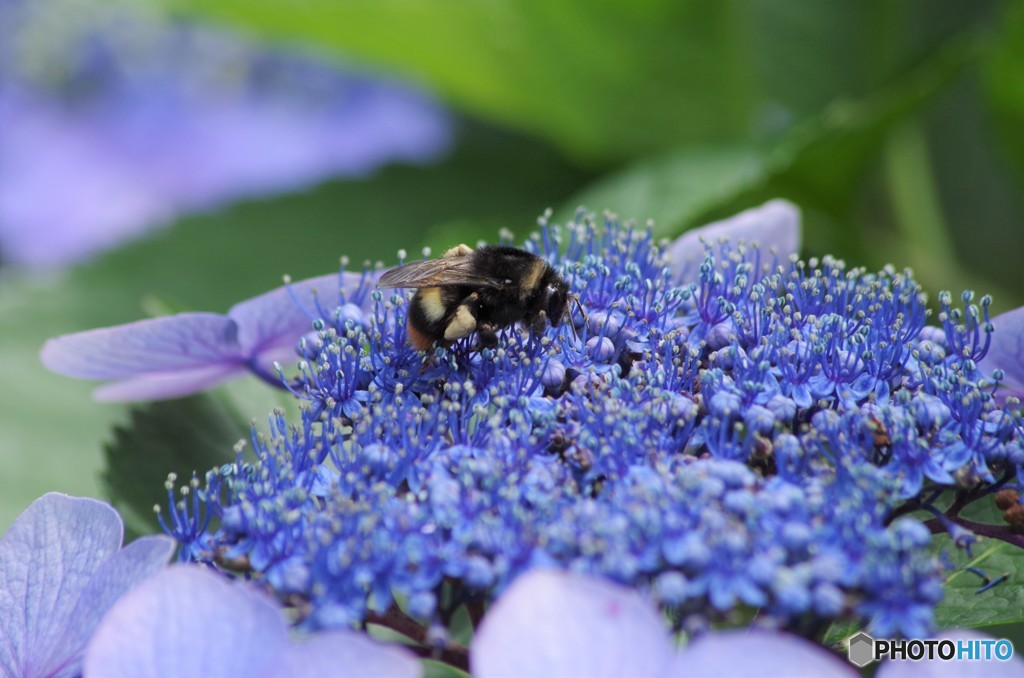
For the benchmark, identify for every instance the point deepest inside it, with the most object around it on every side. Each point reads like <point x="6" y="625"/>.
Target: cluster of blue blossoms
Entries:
<point x="749" y="439"/>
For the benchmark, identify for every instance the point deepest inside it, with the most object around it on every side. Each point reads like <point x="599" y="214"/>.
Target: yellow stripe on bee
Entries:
<point x="432" y="304"/>
<point x="532" y="279"/>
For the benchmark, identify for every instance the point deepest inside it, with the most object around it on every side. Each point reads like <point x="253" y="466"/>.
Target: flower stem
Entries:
<point x="395" y="619"/>
<point x="1001" y="532"/>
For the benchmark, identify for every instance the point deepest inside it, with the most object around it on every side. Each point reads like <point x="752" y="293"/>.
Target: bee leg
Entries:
<point x="461" y="324"/>
<point x="539" y="324"/>
<point x="463" y="321"/>
<point x="487" y="336"/>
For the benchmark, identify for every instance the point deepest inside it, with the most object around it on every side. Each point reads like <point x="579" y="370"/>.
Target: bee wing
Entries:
<point x="437" y="272"/>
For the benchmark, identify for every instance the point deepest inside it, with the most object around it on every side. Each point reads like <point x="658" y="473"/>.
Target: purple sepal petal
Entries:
<point x="1006" y="352"/>
<point x="189" y="352"/>
<point x="992" y="668"/>
<point x="555" y="623"/>
<point x="187" y="621"/>
<point x="156" y="345"/>
<point x="765" y="654"/>
<point x="47" y="559"/>
<point x="774" y="226"/>
<point x="274" y="320"/>
<point x="166" y="385"/>
<point x="116" y="576"/>
<point x="345" y="653"/>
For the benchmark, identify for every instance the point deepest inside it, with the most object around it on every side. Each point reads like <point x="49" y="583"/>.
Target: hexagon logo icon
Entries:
<point x="861" y="649"/>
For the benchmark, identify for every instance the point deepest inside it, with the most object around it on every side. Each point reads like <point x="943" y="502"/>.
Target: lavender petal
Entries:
<point x="774" y="226"/>
<point x="156" y="345"/>
<point x="277" y="319"/>
<point x="552" y="623"/>
<point x="219" y="629"/>
<point x="116" y="576"/>
<point x="47" y="559"/>
<point x="1007" y="350"/>
<point x="346" y="653"/>
<point x="166" y="385"/>
<point x="758" y="653"/>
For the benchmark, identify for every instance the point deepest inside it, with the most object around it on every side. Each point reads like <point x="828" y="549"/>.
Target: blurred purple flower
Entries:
<point x="188" y="621"/>
<point x="774" y="227"/>
<point x="189" y="352"/>
<point x="114" y="121"/>
<point x="61" y="569"/>
<point x="1006" y="352"/>
<point x="555" y="623"/>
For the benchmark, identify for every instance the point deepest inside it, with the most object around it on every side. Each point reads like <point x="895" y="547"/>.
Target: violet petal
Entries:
<point x="765" y="654"/>
<point x="554" y="623"/>
<point x="274" y="320"/>
<point x="47" y="559"/>
<point x="155" y="345"/>
<point x="116" y="576"/>
<point x="166" y="385"/>
<point x="774" y="226"/>
<point x="1006" y="352"/>
<point x="345" y="653"/>
<point x="187" y="621"/>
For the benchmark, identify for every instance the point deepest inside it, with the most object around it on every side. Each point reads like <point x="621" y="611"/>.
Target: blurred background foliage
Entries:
<point x="894" y="124"/>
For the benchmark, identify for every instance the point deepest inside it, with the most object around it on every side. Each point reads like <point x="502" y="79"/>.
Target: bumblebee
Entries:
<point x="480" y="291"/>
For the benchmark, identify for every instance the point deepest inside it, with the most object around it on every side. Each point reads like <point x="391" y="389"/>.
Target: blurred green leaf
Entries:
<point x="840" y="632"/>
<point x="675" y="189"/>
<point x="182" y="436"/>
<point x="433" y="669"/>
<point x="823" y="157"/>
<point x="610" y="79"/>
<point x="816" y="163"/>
<point x="51" y="429"/>
<point x="603" y="79"/>
<point x="962" y="606"/>
<point x="1004" y="80"/>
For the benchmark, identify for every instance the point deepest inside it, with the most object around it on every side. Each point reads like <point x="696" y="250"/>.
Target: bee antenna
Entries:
<point x="575" y="298"/>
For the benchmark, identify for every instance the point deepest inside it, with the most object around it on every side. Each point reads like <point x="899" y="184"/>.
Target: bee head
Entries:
<point x="556" y="299"/>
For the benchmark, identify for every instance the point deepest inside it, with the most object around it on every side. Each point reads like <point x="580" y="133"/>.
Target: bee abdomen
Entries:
<point x="440" y="314"/>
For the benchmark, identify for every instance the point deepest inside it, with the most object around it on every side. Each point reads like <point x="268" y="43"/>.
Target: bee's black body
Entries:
<point x="482" y="291"/>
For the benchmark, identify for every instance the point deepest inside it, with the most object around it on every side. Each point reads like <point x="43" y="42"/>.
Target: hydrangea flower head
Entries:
<point x="61" y="568"/>
<point x="747" y="434"/>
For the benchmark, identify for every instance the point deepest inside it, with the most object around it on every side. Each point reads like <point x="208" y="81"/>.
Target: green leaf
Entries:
<point x="182" y="436"/>
<point x="602" y="79"/>
<point x="840" y="632"/>
<point x="675" y="189"/>
<point x="817" y="161"/>
<point x="1004" y="84"/>
<point x="611" y="80"/>
<point x="962" y="605"/>
<point x="433" y="669"/>
<point x="50" y="427"/>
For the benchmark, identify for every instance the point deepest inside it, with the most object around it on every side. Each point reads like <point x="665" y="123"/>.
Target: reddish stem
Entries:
<point x="452" y="653"/>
